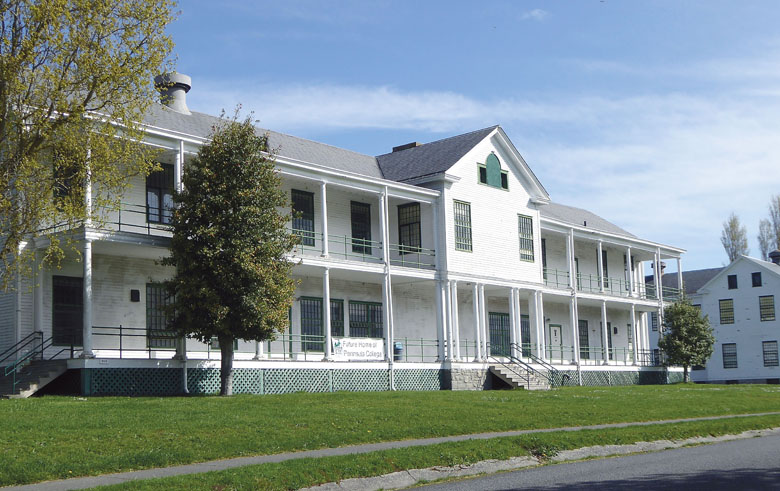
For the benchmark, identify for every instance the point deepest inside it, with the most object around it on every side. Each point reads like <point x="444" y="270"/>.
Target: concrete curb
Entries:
<point x="216" y="465"/>
<point x="405" y="479"/>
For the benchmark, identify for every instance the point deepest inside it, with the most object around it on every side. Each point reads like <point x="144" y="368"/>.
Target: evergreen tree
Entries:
<point x="230" y="238"/>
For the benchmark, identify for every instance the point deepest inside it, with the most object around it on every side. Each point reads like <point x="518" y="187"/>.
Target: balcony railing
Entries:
<point x="615" y="287"/>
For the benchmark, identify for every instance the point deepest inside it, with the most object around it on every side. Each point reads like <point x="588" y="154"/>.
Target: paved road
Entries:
<point x="736" y="465"/>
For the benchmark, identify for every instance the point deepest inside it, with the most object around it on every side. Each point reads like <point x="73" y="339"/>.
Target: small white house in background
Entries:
<point x="434" y="266"/>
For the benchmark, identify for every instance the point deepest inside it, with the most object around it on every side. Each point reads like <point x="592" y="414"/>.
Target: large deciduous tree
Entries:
<point x="230" y="237"/>
<point x="734" y="238"/>
<point x="687" y="338"/>
<point x="75" y="81"/>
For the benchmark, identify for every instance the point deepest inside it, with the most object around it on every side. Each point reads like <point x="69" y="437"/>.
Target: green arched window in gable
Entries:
<point x="490" y="173"/>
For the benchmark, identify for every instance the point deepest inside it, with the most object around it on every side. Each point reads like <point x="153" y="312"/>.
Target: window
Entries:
<point x="462" y="226"/>
<point x="159" y="195"/>
<point x="732" y="279"/>
<point x="365" y="320"/>
<point x="605" y="269"/>
<point x="409" y="235"/>
<point x="157" y="333"/>
<point x="67" y="310"/>
<point x="729" y="355"/>
<point x="770" y="353"/>
<point x="311" y="324"/>
<point x="336" y="317"/>
<point x="525" y="334"/>
<point x="654" y="321"/>
<point x="584" y="341"/>
<point x="544" y="256"/>
<point x="303" y="217"/>
<point x="361" y="227"/>
<point x="697" y="306"/>
<point x="726" y="311"/>
<point x="498" y="326"/>
<point x="766" y="306"/>
<point x="525" y="231"/>
<point x="490" y="173"/>
<point x="756" y="277"/>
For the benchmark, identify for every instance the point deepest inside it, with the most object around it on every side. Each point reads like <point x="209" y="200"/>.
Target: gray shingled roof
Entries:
<point x="431" y="158"/>
<point x="580" y="217"/>
<point x="200" y="125"/>
<point x="692" y="280"/>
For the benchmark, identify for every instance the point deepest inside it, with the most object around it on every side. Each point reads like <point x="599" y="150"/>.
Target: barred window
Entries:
<point x="462" y="226"/>
<point x="729" y="355"/>
<point x="770" y="353"/>
<point x="303" y="219"/>
<point x="756" y="278"/>
<point x="409" y="235"/>
<point x="159" y="195"/>
<point x="365" y="320"/>
<point x="157" y="332"/>
<point x="766" y="306"/>
<point x="726" y="311"/>
<point x="525" y="230"/>
<point x="654" y="321"/>
<point x="336" y="317"/>
<point x="361" y="227"/>
<point x="311" y="324"/>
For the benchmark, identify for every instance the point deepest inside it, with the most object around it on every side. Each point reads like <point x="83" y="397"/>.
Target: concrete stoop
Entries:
<point x="412" y="477"/>
<point x="32" y="378"/>
<point x="534" y="382"/>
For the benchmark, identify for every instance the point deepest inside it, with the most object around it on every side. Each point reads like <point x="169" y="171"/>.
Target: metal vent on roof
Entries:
<point x="406" y="147"/>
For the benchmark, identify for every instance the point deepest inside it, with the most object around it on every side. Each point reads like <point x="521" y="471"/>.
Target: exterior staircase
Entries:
<point x="520" y="377"/>
<point x="33" y="377"/>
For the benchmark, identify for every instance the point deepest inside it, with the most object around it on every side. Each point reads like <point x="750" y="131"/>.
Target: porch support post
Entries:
<point x="324" y="210"/>
<point x="483" y="319"/>
<point x="575" y="356"/>
<point x="519" y="314"/>
<point x="630" y="272"/>
<point x="87" y="319"/>
<point x="659" y="277"/>
<point x="386" y="317"/>
<point x="635" y="332"/>
<point x="604" y="333"/>
<point x="512" y="323"/>
<point x="441" y="325"/>
<point x="455" y="320"/>
<point x="448" y="310"/>
<point x="178" y="165"/>
<point x="570" y="257"/>
<point x="258" y="350"/>
<point x="477" y="323"/>
<point x="542" y="326"/>
<point x="326" y="310"/>
<point x="601" y="268"/>
<point x="38" y="292"/>
<point x="679" y="275"/>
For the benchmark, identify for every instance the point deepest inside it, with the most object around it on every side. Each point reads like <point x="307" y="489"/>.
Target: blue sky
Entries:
<point x="661" y="116"/>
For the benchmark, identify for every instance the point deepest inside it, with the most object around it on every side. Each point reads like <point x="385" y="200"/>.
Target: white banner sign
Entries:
<point x="363" y="349"/>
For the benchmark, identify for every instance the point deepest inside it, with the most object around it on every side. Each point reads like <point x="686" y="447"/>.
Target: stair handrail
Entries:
<point x="13" y="368"/>
<point x="526" y="376"/>
<point x="555" y="378"/>
<point x="23" y="343"/>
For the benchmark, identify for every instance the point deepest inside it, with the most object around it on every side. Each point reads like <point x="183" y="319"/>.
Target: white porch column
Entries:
<point x="604" y="334"/>
<point x="455" y="320"/>
<point x="477" y="323"/>
<point x="448" y="310"/>
<point x="635" y="332"/>
<point x="533" y="314"/>
<point x="570" y="257"/>
<point x="326" y="311"/>
<point x="542" y="326"/>
<point x="679" y="275"/>
<point x="258" y="351"/>
<point x="38" y="292"/>
<point x="441" y="324"/>
<point x="87" y="319"/>
<point x="386" y="318"/>
<point x="483" y="320"/>
<point x="178" y="166"/>
<point x="324" y="211"/>
<point x="519" y="314"/>
<point x="659" y="285"/>
<point x="513" y="322"/>
<point x="575" y="338"/>
<point x="630" y="272"/>
<point x="601" y="268"/>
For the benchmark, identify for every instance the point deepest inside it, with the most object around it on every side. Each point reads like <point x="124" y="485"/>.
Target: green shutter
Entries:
<point x="493" y="167"/>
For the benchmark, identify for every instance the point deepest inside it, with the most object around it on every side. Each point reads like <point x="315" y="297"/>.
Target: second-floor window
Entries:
<point x="361" y="227"/>
<point x="732" y="280"/>
<point x="462" y="226"/>
<point x="303" y="217"/>
<point x="605" y="269"/>
<point x="726" y="311"/>
<point x="654" y="321"/>
<point x="409" y="228"/>
<point x="525" y="231"/>
<point x="756" y="277"/>
<point x="159" y="195"/>
<point x="766" y="306"/>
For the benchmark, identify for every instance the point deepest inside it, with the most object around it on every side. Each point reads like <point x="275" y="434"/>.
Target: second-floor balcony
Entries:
<point x="614" y="287"/>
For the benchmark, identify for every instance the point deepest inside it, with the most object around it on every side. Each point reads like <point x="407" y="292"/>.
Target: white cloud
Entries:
<point x="537" y="15"/>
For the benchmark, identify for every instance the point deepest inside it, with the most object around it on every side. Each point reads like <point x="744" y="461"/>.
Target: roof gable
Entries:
<point x="772" y="268"/>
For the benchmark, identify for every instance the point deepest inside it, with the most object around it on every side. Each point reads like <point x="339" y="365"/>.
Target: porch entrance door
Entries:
<point x="555" y="341"/>
<point x="525" y="334"/>
<point x="67" y="311"/>
<point x="498" y="322"/>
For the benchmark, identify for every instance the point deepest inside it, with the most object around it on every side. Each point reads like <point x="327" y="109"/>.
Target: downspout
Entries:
<point x="18" y="310"/>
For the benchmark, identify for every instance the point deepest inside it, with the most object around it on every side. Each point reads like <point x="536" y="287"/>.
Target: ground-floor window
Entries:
<point x="157" y="333"/>
<point x="729" y="355"/>
<point x="770" y="353"/>
<point x="67" y="310"/>
<point x="312" y="320"/>
<point x="498" y="323"/>
<point x="365" y="319"/>
<point x="525" y="334"/>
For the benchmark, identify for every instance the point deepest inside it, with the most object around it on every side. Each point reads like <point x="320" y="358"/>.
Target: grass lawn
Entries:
<point x="296" y="474"/>
<point x="59" y="437"/>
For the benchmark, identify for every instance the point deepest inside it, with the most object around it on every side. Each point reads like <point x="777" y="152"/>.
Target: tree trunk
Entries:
<point x="226" y="372"/>
<point x="685" y="373"/>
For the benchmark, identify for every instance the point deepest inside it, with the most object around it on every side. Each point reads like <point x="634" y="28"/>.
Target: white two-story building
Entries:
<point x="433" y="266"/>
